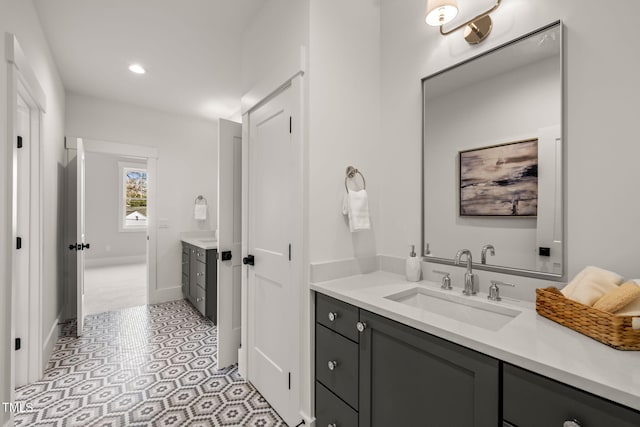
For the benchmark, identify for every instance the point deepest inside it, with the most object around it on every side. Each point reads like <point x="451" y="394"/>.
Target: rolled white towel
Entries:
<point x="591" y="284"/>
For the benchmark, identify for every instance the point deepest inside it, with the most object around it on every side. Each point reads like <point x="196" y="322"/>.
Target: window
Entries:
<point x="133" y="198"/>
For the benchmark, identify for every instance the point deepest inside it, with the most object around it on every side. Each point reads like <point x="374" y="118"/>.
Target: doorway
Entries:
<point x="26" y="267"/>
<point x="116" y="219"/>
<point x="110" y="219"/>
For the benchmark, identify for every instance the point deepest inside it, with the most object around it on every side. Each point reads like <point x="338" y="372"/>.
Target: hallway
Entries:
<point x="148" y="365"/>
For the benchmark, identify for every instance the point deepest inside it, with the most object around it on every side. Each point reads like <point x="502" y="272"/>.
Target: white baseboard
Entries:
<point x="158" y="296"/>
<point x="107" y="261"/>
<point x="50" y="340"/>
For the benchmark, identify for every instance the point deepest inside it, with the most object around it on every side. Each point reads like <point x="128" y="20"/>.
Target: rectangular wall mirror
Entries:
<point x="493" y="159"/>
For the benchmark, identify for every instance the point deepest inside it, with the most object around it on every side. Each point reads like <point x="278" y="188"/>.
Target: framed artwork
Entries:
<point x="500" y="180"/>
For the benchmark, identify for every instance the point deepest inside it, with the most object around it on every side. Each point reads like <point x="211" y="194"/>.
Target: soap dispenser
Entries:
<point x="413" y="266"/>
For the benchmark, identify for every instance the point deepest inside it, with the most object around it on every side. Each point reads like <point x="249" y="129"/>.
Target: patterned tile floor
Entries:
<point x="142" y="366"/>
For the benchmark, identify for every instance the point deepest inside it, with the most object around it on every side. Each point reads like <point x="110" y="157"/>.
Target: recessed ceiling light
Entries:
<point x="136" y="68"/>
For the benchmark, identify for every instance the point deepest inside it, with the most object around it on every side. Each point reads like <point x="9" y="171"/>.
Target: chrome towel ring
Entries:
<point x="351" y="174"/>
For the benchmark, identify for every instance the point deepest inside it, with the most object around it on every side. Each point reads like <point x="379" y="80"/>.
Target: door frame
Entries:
<point x="21" y="80"/>
<point x="150" y="154"/>
<point x="289" y="74"/>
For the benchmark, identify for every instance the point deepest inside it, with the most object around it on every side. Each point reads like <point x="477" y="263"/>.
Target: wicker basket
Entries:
<point x="614" y="331"/>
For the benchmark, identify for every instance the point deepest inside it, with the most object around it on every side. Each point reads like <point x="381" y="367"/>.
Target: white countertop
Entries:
<point x="203" y="240"/>
<point x="529" y="340"/>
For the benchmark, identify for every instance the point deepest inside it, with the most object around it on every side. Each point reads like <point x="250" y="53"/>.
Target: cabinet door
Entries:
<point x="410" y="378"/>
<point x="531" y="400"/>
<point x="193" y="262"/>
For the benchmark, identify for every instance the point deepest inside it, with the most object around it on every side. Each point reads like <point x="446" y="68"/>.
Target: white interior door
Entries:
<point x="229" y="240"/>
<point x="271" y="305"/>
<point x="21" y="267"/>
<point x="80" y="234"/>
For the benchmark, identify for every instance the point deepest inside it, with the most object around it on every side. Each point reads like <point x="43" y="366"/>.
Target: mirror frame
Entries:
<point x="496" y="268"/>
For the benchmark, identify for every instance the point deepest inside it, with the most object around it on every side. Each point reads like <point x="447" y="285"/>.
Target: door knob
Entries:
<point x="73" y="247"/>
<point x="225" y="256"/>
<point x="248" y="260"/>
<point x="85" y="246"/>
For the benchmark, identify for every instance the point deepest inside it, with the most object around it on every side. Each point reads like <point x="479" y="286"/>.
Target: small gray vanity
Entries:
<point x="199" y="276"/>
<point x="374" y="371"/>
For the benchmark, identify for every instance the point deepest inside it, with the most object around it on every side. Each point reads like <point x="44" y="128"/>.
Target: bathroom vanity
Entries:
<point x="382" y="360"/>
<point x="199" y="275"/>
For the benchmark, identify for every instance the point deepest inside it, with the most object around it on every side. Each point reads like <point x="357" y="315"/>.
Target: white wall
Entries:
<point x="102" y="203"/>
<point x="600" y="122"/>
<point x="20" y="18"/>
<point x="187" y="167"/>
<point x="344" y="123"/>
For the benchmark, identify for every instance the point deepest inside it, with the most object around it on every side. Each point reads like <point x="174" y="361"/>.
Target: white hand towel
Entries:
<point x="200" y="212"/>
<point x="356" y="205"/>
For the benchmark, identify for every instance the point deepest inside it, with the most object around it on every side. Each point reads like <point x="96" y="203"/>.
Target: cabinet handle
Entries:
<point x="571" y="423"/>
<point x="361" y="326"/>
<point x="200" y="274"/>
<point x="333" y="425"/>
<point x="193" y="251"/>
<point x="198" y="299"/>
<point x="332" y="365"/>
<point x="333" y="316"/>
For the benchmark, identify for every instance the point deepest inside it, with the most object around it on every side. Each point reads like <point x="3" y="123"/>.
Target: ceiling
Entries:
<point x="191" y="50"/>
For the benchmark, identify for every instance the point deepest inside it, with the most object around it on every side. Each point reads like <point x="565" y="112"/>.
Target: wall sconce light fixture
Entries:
<point x="440" y="12"/>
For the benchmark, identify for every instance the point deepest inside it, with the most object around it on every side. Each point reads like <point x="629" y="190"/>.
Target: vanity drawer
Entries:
<point x="201" y="255"/>
<point x="201" y="274"/>
<point x="531" y="400"/>
<point x="337" y="364"/>
<point x="345" y="316"/>
<point x="330" y="410"/>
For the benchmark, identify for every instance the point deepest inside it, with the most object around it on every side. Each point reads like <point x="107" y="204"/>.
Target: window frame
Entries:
<point x="123" y="168"/>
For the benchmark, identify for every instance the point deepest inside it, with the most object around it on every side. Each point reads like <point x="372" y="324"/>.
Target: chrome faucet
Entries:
<point x="483" y="255"/>
<point x="469" y="282"/>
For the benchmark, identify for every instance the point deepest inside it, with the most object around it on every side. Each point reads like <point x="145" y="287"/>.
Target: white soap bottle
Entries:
<point x="413" y="267"/>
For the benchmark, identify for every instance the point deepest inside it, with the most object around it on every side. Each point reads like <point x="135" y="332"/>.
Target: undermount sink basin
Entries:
<point x="470" y="310"/>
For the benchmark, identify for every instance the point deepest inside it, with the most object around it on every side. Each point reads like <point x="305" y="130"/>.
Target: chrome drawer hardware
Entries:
<point x="361" y="326"/>
<point x="333" y="316"/>
<point x="571" y="423"/>
<point x="332" y="365"/>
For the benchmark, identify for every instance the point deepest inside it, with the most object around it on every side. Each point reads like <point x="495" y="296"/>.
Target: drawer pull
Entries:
<point x="571" y="423"/>
<point x="199" y="274"/>
<point x="361" y="326"/>
<point x="332" y="365"/>
<point x="198" y="299"/>
<point x="333" y="425"/>
<point x="333" y="316"/>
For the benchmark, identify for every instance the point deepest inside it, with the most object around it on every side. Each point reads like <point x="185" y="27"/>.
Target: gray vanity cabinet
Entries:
<point x="408" y="377"/>
<point x="389" y="374"/>
<point x="531" y="400"/>
<point x="199" y="279"/>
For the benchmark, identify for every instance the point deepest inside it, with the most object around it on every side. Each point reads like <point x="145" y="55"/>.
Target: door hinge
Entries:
<point x="19" y="243"/>
<point x="289" y="380"/>
<point x="290" y="124"/>
<point x="289" y="251"/>
<point x="18" y="343"/>
<point x="19" y="141"/>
